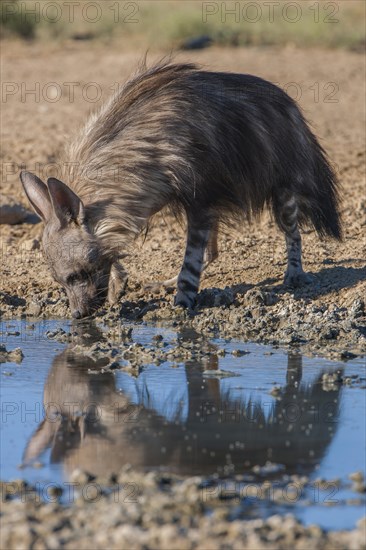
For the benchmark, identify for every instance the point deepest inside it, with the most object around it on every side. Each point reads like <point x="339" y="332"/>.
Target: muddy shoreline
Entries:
<point x="267" y="316"/>
<point x="158" y="511"/>
<point x="242" y="292"/>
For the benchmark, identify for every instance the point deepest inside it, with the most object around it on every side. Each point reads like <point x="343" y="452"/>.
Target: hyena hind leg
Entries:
<point x="287" y="221"/>
<point x="189" y="276"/>
<point x="212" y="251"/>
<point x="117" y="283"/>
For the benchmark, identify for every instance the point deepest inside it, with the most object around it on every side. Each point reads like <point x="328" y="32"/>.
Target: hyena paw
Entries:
<point x="159" y="286"/>
<point x="153" y="287"/>
<point x="118" y="279"/>
<point x="116" y="290"/>
<point x="184" y="301"/>
<point x="298" y="279"/>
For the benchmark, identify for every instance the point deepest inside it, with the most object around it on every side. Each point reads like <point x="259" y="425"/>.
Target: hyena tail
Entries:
<point x="319" y="204"/>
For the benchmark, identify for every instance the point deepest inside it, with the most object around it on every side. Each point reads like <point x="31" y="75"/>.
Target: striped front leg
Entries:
<point x="189" y="277"/>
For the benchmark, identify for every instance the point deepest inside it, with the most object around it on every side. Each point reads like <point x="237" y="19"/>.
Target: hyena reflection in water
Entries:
<point x="216" y="147"/>
<point x="97" y="429"/>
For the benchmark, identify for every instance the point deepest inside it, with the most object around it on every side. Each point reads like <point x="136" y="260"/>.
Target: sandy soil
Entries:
<point x="329" y="86"/>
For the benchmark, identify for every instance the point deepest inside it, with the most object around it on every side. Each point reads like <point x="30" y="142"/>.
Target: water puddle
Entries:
<point x="235" y="413"/>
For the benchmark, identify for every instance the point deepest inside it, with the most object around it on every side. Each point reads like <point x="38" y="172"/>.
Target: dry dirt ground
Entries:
<point x="329" y="86"/>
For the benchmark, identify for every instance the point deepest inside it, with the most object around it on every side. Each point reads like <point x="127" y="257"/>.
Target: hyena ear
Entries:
<point x="37" y="194"/>
<point x="66" y="204"/>
<point x="39" y="441"/>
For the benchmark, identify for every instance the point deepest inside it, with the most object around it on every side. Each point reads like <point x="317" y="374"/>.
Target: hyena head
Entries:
<point x="73" y="253"/>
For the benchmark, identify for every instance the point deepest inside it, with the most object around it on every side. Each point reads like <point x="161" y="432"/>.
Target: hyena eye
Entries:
<point x="83" y="275"/>
<point x="79" y="277"/>
<point x="71" y="279"/>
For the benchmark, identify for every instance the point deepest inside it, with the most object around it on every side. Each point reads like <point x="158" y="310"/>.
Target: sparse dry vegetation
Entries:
<point x="169" y="24"/>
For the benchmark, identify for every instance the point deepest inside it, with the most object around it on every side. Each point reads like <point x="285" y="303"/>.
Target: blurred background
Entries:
<point x="170" y="24"/>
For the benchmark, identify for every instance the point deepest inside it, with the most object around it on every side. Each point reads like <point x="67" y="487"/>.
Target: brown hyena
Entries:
<point x="215" y="146"/>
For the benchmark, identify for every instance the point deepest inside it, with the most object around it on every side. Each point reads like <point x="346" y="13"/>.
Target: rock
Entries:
<point x="357" y="476"/>
<point x="197" y="43"/>
<point x="346" y="355"/>
<point x="255" y="297"/>
<point x="239" y="352"/>
<point x="359" y="487"/>
<point x="219" y="373"/>
<point x="31" y="244"/>
<point x="80" y="476"/>
<point x="269" y="468"/>
<point x="215" y="297"/>
<point x="329" y="333"/>
<point x="14" y="356"/>
<point x="330" y="380"/>
<point x="358" y="308"/>
<point x="276" y="391"/>
<point x="34" y="309"/>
